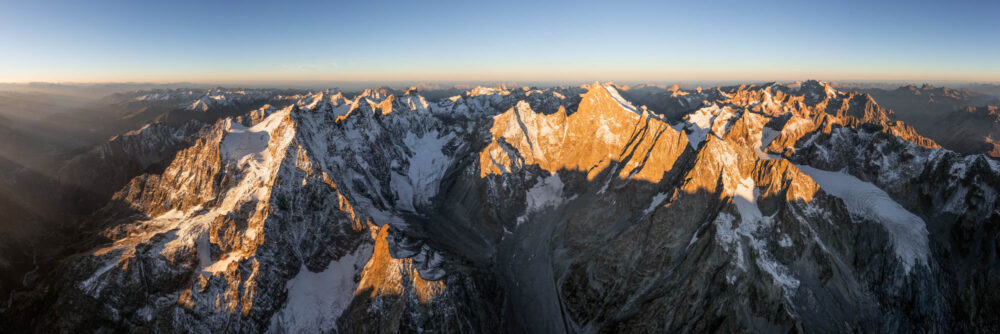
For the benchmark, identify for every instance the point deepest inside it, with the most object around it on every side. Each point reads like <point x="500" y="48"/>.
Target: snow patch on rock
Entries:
<point x="749" y="232"/>
<point x="745" y="198"/>
<point x="428" y="164"/>
<point x="241" y="142"/>
<point x="767" y="135"/>
<point x="698" y="125"/>
<point x="93" y="285"/>
<point x="625" y="104"/>
<point x="908" y="231"/>
<point x="657" y="201"/>
<point x="547" y="192"/>
<point x="711" y="119"/>
<point x="785" y="241"/>
<point x="316" y="300"/>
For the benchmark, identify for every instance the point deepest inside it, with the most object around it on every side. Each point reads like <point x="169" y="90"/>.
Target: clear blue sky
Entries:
<point x="259" y="41"/>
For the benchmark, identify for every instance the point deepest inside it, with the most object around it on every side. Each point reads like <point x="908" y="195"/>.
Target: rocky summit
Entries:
<point x="598" y="208"/>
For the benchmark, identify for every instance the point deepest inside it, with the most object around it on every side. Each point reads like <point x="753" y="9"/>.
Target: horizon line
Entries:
<point x="484" y="81"/>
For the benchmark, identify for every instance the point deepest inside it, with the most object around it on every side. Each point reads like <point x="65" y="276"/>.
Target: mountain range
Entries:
<point x="771" y="207"/>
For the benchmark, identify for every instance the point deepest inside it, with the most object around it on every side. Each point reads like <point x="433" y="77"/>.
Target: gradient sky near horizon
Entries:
<point x="261" y="41"/>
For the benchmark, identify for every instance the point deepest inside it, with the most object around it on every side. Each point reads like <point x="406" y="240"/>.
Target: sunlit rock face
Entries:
<point x="768" y="208"/>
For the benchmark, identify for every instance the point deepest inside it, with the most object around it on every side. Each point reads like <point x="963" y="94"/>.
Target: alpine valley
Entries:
<point x="798" y="207"/>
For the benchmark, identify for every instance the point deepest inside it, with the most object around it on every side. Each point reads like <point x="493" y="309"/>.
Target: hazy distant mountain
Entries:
<point x="946" y="115"/>
<point x="769" y="208"/>
<point x="985" y="88"/>
<point x="972" y="130"/>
